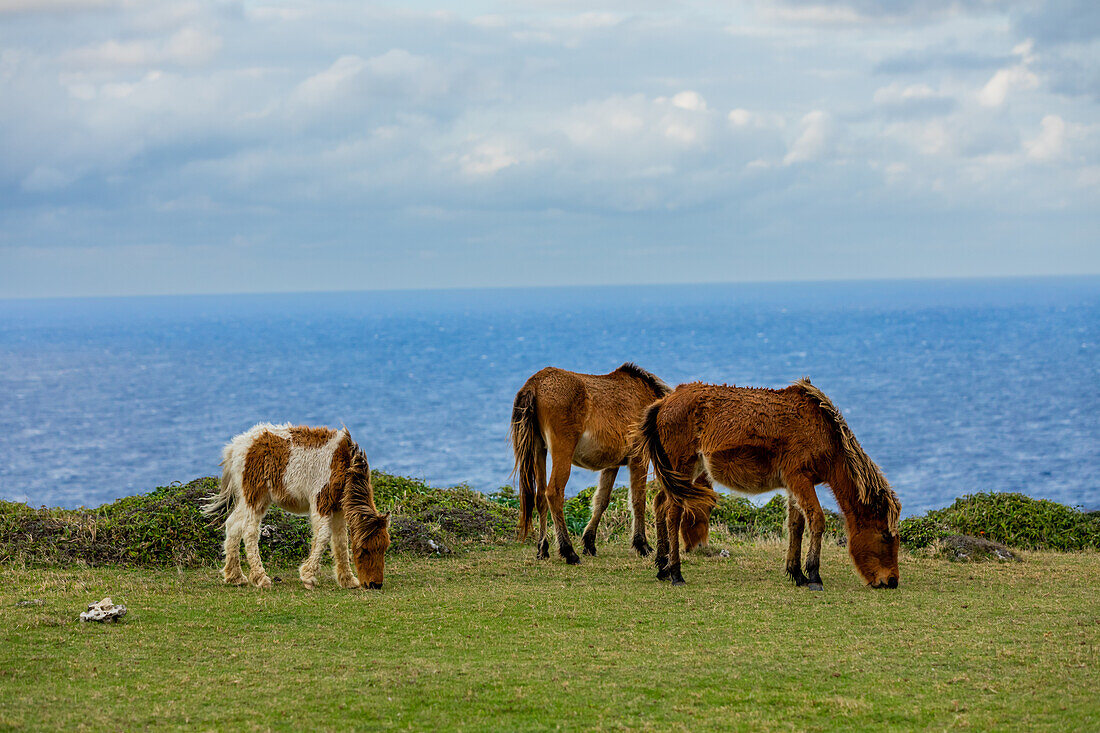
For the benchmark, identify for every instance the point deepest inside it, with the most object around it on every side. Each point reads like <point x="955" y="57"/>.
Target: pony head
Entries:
<point x="368" y="528"/>
<point x="874" y="550"/>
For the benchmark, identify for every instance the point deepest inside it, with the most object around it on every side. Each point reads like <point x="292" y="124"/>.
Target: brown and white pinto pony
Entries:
<point x="755" y="440"/>
<point x="583" y="420"/>
<point x="315" y="471"/>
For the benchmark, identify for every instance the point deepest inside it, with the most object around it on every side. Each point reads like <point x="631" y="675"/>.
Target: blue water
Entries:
<point x="952" y="386"/>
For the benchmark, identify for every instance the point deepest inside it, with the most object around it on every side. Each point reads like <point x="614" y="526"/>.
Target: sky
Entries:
<point x="195" y="147"/>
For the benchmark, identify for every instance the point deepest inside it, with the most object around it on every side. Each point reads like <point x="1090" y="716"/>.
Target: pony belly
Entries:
<point x="745" y="477"/>
<point x="594" y="455"/>
<point x="293" y="504"/>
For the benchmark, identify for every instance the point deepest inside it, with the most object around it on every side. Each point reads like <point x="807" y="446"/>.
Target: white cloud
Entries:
<point x="898" y="93"/>
<point x="996" y="90"/>
<point x="343" y="108"/>
<point x="1050" y="142"/>
<point x="328" y="85"/>
<point x="812" y="142"/>
<point x="1016" y="77"/>
<point x="44" y="178"/>
<point x="740" y="117"/>
<point x="192" y="45"/>
<point x="188" y="46"/>
<point x="53" y="6"/>
<point x="486" y="158"/>
<point x="690" y="100"/>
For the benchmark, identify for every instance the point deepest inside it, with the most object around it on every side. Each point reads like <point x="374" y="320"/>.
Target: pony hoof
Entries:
<point x="349" y="583"/>
<point x="264" y="582"/>
<point x="814" y="586"/>
<point x="589" y="542"/>
<point x="674" y="573"/>
<point x="663" y="575"/>
<point x="572" y="559"/>
<point x="309" y="584"/>
<point x="641" y="547"/>
<point x="543" y="553"/>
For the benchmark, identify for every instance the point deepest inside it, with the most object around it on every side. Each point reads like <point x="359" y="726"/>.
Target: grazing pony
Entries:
<point x="755" y="440"/>
<point x="303" y="470"/>
<point x="581" y="419"/>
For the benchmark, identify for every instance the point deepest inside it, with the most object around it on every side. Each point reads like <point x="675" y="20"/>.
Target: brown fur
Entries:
<point x="583" y="420"/>
<point x="332" y="496"/>
<point x="264" y="467"/>
<point x="308" y="437"/>
<point x="368" y="528"/>
<point x="755" y="440"/>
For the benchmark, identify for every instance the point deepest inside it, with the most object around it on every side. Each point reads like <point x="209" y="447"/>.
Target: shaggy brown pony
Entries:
<point x="583" y="420"/>
<point x="755" y="440"/>
<point x="304" y="470"/>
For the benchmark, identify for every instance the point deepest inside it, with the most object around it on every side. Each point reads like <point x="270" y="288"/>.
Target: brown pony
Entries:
<point x="755" y="440"/>
<point x="581" y="419"/>
<point x="314" y="471"/>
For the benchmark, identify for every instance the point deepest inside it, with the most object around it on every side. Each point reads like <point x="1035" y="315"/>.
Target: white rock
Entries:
<point x="105" y="610"/>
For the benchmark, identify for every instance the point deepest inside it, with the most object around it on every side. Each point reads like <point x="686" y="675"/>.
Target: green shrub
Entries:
<point x="1021" y="521"/>
<point x="922" y="531"/>
<point x="505" y="496"/>
<point x="462" y="512"/>
<point x="166" y="527"/>
<point x="390" y="490"/>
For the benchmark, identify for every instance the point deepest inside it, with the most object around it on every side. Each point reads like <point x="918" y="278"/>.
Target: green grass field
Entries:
<point x="497" y="640"/>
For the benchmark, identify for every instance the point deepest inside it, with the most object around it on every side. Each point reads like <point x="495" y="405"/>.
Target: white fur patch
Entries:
<point x="308" y="470"/>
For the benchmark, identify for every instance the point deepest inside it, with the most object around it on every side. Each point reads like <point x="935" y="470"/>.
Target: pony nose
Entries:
<point x="892" y="582"/>
<point x="375" y="586"/>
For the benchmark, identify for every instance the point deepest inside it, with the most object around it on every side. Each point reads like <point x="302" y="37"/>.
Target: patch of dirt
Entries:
<point x="964" y="548"/>
<point x="415" y="537"/>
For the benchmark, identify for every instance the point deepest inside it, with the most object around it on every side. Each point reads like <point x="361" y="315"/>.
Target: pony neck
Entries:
<point x="847" y="497"/>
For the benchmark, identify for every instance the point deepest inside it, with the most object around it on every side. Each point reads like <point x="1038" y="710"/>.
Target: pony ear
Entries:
<point x="386" y="516"/>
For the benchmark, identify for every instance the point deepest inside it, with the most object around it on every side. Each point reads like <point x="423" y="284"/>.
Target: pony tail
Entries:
<point x="526" y="440"/>
<point x="225" y="496"/>
<point x="694" y="498"/>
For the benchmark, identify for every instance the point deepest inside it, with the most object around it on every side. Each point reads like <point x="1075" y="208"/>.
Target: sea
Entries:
<point x="952" y="386"/>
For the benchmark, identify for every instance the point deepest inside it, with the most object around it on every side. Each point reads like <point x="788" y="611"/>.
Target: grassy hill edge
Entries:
<point x="165" y="528"/>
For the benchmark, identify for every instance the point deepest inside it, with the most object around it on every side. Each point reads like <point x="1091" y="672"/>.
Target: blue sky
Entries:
<point x="195" y="147"/>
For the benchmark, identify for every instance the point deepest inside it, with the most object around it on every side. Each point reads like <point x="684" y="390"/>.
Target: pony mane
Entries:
<point x="655" y="383"/>
<point x="871" y="485"/>
<point x="362" y="515"/>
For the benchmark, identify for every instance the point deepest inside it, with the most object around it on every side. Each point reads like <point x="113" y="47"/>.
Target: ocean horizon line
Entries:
<point x="460" y="289"/>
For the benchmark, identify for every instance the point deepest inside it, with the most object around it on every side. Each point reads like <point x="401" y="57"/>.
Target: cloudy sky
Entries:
<point x="259" y="146"/>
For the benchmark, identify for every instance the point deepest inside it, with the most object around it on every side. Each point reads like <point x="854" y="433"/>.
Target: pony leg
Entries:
<point x="796" y="524"/>
<point x="341" y="566"/>
<point x="675" y="513"/>
<point x="543" y="505"/>
<point x="322" y="530"/>
<point x="637" y="505"/>
<point x="600" y="500"/>
<point x="234" y="527"/>
<point x="660" y="511"/>
<point x="803" y="490"/>
<point x="256" y="574"/>
<point x="555" y="493"/>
